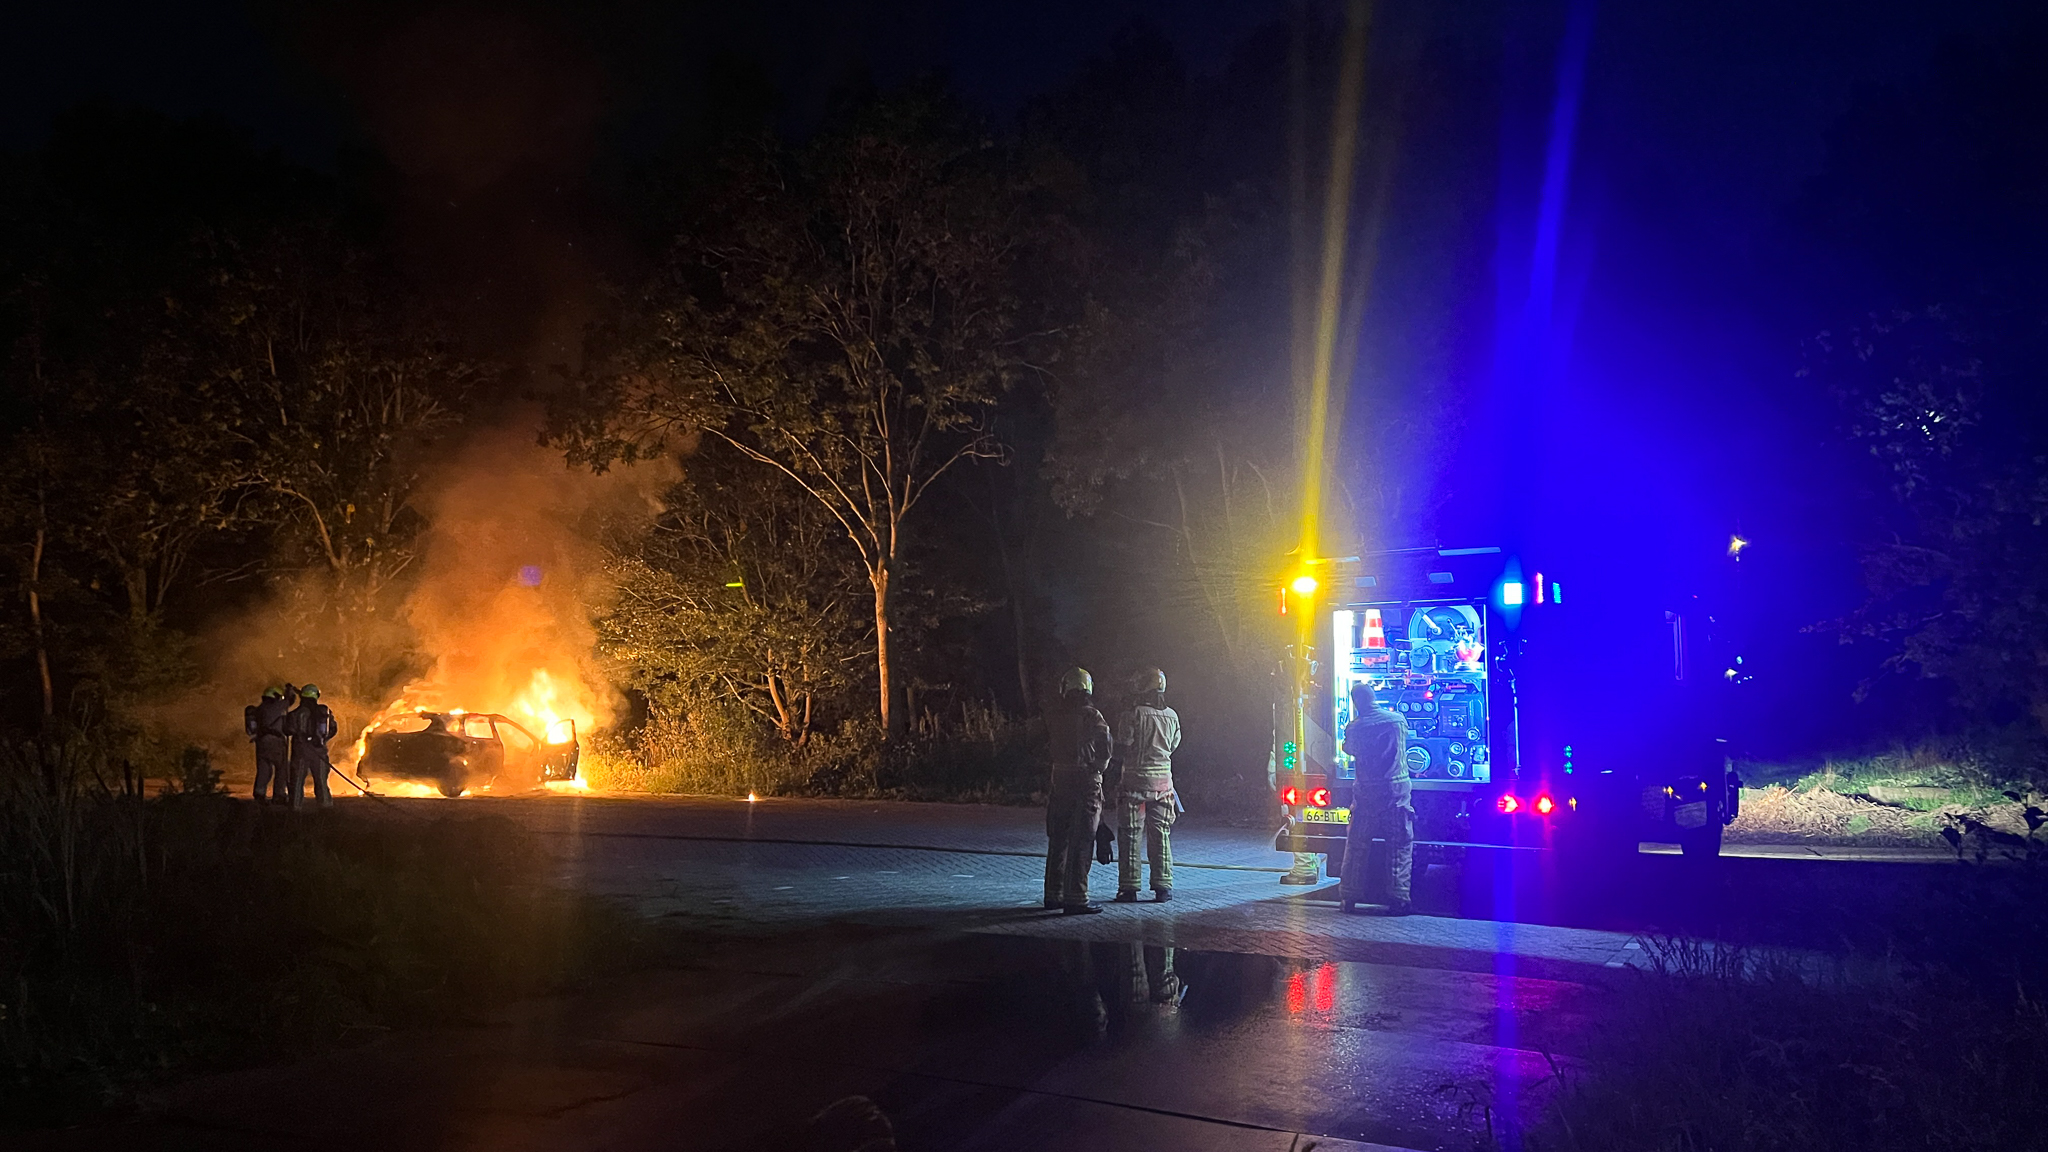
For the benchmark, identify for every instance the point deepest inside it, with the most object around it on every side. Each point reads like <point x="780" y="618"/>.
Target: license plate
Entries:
<point x="1326" y="815"/>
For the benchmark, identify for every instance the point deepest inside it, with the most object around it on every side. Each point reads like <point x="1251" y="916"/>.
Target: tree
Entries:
<point x="740" y="592"/>
<point x="1929" y="210"/>
<point x="844" y="316"/>
<point x="348" y="391"/>
<point x="1955" y="562"/>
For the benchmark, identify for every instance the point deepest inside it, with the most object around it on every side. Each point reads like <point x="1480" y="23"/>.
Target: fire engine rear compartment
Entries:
<point x="1530" y="725"/>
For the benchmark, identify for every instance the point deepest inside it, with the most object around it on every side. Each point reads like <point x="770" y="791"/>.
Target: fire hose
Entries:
<point x="384" y="800"/>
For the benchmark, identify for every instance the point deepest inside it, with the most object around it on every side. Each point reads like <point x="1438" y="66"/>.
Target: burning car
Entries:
<point x="457" y="752"/>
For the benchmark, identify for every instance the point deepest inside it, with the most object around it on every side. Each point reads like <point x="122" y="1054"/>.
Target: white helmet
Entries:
<point x="1077" y="680"/>
<point x="1148" y="680"/>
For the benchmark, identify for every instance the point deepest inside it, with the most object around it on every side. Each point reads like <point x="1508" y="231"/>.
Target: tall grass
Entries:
<point x="1930" y="1031"/>
<point x="150" y="935"/>
<point x="1982" y="762"/>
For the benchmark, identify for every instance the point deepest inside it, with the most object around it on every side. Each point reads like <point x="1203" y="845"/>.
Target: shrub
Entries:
<point x="982" y="755"/>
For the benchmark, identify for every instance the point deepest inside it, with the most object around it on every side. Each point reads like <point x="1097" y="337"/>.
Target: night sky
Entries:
<point x="495" y="136"/>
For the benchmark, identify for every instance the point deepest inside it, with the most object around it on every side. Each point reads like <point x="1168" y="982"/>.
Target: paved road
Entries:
<point x="898" y="952"/>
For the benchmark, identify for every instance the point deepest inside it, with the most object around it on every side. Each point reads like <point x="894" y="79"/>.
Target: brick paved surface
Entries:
<point x="899" y="952"/>
<point x="786" y="863"/>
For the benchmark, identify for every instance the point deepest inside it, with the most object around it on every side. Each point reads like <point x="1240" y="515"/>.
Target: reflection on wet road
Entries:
<point x="897" y="952"/>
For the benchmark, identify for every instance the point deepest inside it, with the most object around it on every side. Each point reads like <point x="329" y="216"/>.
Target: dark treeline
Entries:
<point x="956" y="402"/>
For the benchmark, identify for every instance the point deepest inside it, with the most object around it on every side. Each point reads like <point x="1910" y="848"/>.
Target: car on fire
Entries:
<point x="457" y="752"/>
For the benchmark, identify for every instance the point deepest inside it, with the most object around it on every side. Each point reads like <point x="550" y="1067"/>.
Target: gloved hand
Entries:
<point x="1113" y="774"/>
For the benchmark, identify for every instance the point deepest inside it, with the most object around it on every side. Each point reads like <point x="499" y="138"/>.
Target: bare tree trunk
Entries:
<point x="35" y="618"/>
<point x="135" y="580"/>
<point x="892" y="717"/>
<point x="1018" y="625"/>
<point x="785" y="722"/>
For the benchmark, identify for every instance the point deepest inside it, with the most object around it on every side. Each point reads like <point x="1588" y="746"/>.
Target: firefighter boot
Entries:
<point x="1127" y="896"/>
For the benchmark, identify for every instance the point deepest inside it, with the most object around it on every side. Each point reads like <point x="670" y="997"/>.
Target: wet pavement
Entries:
<point x="898" y="952"/>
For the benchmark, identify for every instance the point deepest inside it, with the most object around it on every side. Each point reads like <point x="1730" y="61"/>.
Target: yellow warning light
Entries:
<point x="1304" y="585"/>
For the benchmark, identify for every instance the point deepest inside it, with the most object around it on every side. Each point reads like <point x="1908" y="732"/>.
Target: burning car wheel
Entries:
<point x="451" y="786"/>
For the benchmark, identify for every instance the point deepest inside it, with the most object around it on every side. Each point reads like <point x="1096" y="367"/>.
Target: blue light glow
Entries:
<point x="530" y="575"/>
<point x="1511" y="592"/>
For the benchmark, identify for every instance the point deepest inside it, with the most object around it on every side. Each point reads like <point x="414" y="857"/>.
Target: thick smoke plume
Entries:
<point x="496" y="613"/>
<point x="510" y="580"/>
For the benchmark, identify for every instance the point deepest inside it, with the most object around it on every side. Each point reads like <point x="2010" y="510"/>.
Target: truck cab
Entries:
<point x="1534" y="722"/>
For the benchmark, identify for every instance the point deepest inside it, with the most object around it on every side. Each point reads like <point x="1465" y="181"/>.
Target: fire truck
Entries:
<point x="1543" y="712"/>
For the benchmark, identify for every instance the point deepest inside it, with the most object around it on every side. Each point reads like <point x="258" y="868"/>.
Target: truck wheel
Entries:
<point x="1703" y="842"/>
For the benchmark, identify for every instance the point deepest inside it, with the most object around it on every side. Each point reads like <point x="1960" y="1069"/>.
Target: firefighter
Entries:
<point x="311" y="725"/>
<point x="1073" y="806"/>
<point x="1146" y="735"/>
<point x="265" y="724"/>
<point x="1377" y="742"/>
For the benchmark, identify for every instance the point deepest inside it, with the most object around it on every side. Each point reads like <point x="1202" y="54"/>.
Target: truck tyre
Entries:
<point x="1703" y="842"/>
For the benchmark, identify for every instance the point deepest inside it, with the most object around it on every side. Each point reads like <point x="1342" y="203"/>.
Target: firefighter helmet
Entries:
<point x="273" y="693"/>
<point x="310" y="692"/>
<point x="1148" y="680"/>
<point x="1077" y="680"/>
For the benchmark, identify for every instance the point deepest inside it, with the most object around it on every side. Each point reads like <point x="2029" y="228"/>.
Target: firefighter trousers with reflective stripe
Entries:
<point x="1072" y="810"/>
<point x="1148" y="815"/>
<point x="1379" y="853"/>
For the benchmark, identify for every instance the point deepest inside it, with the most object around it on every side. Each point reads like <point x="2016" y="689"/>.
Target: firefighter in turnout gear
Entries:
<point x="1080" y="750"/>
<point x="1146" y="735"/>
<point x="311" y="725"/>
<point x="1383" y="808"/>
<point x="265" y="724"/>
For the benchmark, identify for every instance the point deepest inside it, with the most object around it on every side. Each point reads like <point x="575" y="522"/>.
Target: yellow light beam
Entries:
<point x="1330" y="291"/>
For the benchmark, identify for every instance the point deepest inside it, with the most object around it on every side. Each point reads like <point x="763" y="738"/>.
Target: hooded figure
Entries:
<point x="1073" y="806"/>
<point x="1382" y="810"/>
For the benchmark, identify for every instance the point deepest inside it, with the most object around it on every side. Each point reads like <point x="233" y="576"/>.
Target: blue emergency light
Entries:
<point x="1511" y="593"/>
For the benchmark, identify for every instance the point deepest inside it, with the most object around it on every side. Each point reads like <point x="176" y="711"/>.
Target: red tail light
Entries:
<point x="1545" y="806"/>
<point x="1319" y="797"/>
<point x="1290" y="797"/>
<point x="1508" y="804"/>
